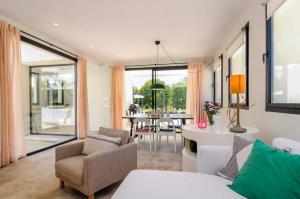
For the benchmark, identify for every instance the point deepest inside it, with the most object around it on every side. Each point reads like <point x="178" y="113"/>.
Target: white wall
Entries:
<point x="99" y="89"/>
<point x="270" y="124"/>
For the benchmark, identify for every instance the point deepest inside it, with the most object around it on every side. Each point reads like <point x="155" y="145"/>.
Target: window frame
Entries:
<point x="154" y="69"/>
<point x="290" y="108"/>
<point x="214" y="81"/>
<point x="246" y="105"/>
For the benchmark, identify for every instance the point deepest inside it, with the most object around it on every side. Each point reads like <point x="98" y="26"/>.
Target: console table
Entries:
<point x="217" y="134"/>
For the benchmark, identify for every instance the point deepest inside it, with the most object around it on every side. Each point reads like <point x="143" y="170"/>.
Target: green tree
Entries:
<point x="179" y="95"/>
<point x="162" y="97"/>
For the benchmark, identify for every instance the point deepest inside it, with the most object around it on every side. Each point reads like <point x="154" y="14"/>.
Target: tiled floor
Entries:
<point x="34" y="178"/>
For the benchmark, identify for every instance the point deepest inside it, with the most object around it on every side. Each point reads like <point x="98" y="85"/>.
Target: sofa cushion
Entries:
<point x="123" y="134"/>
<point x="230" y="170"/>
<point x="71" y="169"/>
<point x="286" y="145"/>
<point x="269" y="173"/>
<point x="92" y="146"/>
<point x="175" y="185"/>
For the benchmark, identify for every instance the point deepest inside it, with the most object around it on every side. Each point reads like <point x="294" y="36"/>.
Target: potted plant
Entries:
<point x="211" y="109"/>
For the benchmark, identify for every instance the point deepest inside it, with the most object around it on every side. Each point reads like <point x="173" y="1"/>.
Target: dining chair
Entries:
<point x="141" y="127"/>
<point x="165" y="127"/>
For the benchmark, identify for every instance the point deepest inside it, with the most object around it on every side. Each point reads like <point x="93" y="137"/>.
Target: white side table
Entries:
<point x="217" y="134"/>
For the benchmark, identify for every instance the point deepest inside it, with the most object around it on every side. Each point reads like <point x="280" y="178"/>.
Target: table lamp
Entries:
<point x="237" y="86"/>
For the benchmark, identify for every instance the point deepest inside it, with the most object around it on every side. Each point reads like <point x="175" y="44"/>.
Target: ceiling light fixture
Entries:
<point x="157" y="86"/>
<point x="91" y="46"/>
<point x="55" y="24"/>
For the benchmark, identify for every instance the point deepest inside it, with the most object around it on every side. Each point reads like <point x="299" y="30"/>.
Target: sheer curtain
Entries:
<point x="117" y="97"/>
<point x="195" y="89"/>
<point x="12" y="139"/>
<point x="82" y="98"/>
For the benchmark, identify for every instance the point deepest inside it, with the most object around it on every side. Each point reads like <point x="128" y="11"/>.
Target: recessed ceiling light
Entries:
<point x="92" y="46"/>
<point x="55" y="24"/>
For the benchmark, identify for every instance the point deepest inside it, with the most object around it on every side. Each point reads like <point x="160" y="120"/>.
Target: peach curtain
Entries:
<point x="117" y="97"/>
<point x="195" y="89"/>
<point x="82" y="99"/>
<point x="12" y="139"/>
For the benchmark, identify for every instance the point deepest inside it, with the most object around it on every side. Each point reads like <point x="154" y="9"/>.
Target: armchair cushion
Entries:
<point x="113" y="140"/>
<point x="123" y="134"/>
<point x="71" y="169"/>
<point x="92" y="146"/>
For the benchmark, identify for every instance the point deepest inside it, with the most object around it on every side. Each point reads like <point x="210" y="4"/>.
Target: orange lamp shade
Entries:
<point x="237" y="84"/>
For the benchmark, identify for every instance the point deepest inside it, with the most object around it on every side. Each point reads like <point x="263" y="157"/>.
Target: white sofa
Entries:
<point x="146" y="184"/>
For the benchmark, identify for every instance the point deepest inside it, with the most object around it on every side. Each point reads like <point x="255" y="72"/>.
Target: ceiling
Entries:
<point x="124" y="31"/>
<point x="33" y="56"/>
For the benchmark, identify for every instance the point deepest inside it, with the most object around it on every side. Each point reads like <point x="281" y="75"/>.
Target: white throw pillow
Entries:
<point x="243" y="155"/>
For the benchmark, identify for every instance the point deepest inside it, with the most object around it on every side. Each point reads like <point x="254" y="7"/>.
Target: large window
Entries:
<point x="238" y="62"/>
<point x="218" y="81"/>
<point x="172" y="99"/>
<point x="283" y="66"/>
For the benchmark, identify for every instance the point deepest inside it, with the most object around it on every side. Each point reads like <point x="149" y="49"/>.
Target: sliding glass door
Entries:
<point x="52" y="100"/>
<point x="49" y="88"/>
<point x="171" y="100"/>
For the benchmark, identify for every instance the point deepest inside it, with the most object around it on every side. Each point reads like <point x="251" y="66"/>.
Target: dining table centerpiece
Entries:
<point x="211" y="109"/>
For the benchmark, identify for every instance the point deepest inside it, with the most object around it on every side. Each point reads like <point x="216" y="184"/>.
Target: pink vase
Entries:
<point x="200" y="124"/>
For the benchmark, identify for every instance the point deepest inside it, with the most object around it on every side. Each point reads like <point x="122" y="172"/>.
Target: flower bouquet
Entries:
<point x="211" y="109"/>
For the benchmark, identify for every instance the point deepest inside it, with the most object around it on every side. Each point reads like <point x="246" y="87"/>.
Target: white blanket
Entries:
<point x="150" y="184"/>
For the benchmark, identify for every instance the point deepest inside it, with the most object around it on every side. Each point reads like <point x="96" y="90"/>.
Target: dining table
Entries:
<point x="153" y="117"/>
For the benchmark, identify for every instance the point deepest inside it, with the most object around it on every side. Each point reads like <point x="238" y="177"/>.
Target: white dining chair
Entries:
<point x="142" y="128"/>
<point x="165" y="127"/>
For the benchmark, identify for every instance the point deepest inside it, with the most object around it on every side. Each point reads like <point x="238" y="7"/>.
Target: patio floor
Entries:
<point x="38" y="141"/>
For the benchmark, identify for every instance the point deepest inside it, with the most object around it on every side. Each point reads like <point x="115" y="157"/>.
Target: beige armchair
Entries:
<point x="91" y="173"/>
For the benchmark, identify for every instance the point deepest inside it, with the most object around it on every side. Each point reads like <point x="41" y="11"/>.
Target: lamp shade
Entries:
<point x="237" y="84"/>
<point x="158" y="87"/>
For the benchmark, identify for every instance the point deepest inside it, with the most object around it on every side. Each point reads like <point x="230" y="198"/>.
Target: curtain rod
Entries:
<point x="170" y="64"/>
<point x="50" y="44"/>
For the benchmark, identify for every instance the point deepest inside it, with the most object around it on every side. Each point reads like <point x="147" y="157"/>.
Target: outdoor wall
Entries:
<point x="270" y="124"/>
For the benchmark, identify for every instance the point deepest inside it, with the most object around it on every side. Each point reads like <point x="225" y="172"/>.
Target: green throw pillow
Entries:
<point x="269" y="173"/>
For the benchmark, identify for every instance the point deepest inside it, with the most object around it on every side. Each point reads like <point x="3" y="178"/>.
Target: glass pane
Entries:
<point x="137" y="89"/>
<point x="173" y="98"/>
<point x="55" y="114"/>
<point x="238" y="67"/>
<point x="286" y="56"/>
